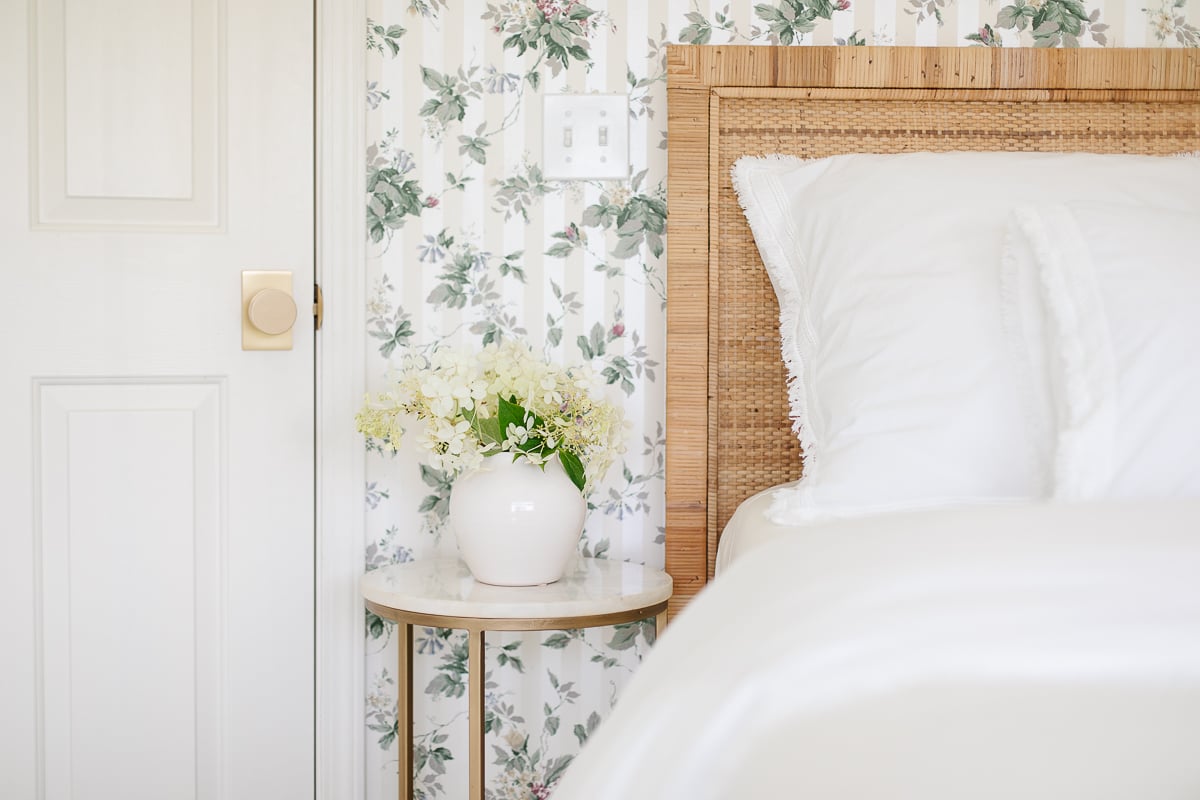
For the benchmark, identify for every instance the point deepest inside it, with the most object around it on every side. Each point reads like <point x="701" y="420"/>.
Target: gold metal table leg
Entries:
<point x="475" y="712"/>
<point x="475" y="673"/>
<point x="404" y="709"/>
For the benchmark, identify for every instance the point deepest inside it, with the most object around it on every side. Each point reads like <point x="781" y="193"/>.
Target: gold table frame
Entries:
<point x="476" y="627"/>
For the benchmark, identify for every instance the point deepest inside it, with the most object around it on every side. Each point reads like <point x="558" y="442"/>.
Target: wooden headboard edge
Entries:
<point x="700" y="67"/>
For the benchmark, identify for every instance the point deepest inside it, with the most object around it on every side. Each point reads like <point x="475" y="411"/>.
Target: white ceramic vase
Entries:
<point x="515" y="524"/>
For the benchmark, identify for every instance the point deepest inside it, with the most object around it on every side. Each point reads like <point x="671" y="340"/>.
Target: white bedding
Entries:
<point x="753" y="523"/>
<point x="1042" y="651"/>
<point x="902" y="381"/>
<point x="750" y="526"/>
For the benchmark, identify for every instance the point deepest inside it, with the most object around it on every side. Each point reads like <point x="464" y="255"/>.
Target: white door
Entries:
<point x="156" y="481"/>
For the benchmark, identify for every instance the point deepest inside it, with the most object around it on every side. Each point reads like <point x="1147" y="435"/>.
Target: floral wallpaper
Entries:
<point x="471" y="243"/>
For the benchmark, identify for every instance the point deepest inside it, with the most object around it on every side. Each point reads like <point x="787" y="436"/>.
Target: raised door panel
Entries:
<point x="130" y="588"/>
<point x="129" y="130"/>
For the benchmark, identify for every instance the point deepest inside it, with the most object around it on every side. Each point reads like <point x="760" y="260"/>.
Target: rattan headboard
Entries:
<point x="728" y="432"/>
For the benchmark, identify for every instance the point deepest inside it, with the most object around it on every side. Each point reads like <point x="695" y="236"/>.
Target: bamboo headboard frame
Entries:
<point x="728" y="434"/>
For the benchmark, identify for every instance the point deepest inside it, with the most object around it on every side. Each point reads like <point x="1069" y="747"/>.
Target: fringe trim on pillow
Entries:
<point x="790" y="300"/>
<point x="1077" y="397"/>
<point x="1014" y="310"/>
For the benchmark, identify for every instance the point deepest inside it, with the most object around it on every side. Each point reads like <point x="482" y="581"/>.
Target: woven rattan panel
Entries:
<point x="751" y="445"/>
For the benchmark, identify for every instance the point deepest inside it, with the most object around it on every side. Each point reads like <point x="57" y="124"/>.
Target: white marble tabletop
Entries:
<point x="444" y="586"/>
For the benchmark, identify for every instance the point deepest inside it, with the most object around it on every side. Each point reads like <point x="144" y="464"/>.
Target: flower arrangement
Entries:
<point x="472" y="404"/>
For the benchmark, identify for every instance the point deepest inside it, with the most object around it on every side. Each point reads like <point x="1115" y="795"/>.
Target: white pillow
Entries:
<point x="1118" y="348"/>
<point x="887" y="267"/>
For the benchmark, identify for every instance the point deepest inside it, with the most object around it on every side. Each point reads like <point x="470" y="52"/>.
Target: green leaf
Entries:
<point x="375" y="625"/>
<point x="656" y="218"/>
<point x="511" y="413"/>
<point x="656" y="243"/>
<point x="452" y="109"/>
<point x="632" y="224"/>
<point x="624" y="636"/>
<point x="573" y="467"/>
<point x="593" y="215"/>
<point x="582" y="733"/>
<point x="556" y="768"/>
<point x="560" y="250"/>
<point x="560" y="36"/>
<point x="431" y="78"/>
<point x="446" y="686"/>
<point x="649" y="631"/>
<point x="700" y="33"/>
<point x="516" y="663"/>
<point x="473" y="147"/>
<point x="597" y="339"/>
<point x="628" y="246"/>
<point x="767" y="13"/>
<point x="486" y="430"/>
<point x="434" y="477"/>
<point x="556" y="641"/>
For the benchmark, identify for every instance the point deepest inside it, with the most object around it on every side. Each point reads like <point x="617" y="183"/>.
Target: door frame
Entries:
<point x="339" y="86"/>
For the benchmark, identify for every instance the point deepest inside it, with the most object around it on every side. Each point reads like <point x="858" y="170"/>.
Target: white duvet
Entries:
<point x="1018" y="652"/>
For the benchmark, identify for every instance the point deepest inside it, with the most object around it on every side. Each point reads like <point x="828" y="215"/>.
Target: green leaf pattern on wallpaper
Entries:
<point x="471" y="243"/>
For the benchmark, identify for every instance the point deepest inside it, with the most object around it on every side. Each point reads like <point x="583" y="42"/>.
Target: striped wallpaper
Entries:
<point x="470" y="243"/>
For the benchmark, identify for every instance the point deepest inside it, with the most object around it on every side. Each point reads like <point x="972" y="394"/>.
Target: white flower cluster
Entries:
<point x="454" y="396"/>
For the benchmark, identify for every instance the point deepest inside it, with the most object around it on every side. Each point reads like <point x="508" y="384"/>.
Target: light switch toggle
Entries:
<point x="568" y="137"/>
<point x="603" y="136"/>
<point x="268" y="310"/>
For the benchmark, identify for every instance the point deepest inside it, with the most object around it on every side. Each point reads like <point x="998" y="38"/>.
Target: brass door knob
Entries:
<point x="272" y="311"/>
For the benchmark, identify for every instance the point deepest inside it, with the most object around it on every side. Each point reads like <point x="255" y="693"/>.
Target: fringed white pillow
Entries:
<point x="1118" y="345"/>
<point x="903" y="388"/>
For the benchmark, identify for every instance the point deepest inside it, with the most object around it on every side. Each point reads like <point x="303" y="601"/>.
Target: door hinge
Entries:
<point x="318" y="306"/>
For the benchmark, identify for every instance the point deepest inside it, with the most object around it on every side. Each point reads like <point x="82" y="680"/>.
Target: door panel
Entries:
<point x="156" y="481"/>
<point x="153" y="447"/>
<point x="127" y="117"/>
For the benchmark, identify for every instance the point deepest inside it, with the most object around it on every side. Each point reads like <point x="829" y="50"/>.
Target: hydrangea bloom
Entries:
<point x="454" y="396"/>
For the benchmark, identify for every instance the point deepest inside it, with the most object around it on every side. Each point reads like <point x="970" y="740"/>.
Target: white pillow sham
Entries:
<point x="903" y="388"/>
<point x="1113" y="336"/>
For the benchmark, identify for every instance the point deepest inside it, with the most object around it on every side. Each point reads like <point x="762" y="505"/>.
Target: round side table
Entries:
<point x="440" y="593"/>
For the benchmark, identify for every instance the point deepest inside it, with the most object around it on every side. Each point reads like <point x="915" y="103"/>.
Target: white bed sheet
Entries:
<point x="1045" y="651"/>
<point x="750" y="527"/>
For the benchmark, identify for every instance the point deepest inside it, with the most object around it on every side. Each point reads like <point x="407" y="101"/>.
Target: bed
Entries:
<point x="723" y="347"/>
<point x="1006" y="647"/>
<point x="940" y="656"/>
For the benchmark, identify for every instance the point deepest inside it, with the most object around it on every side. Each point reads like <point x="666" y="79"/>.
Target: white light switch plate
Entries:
<point x="585" y="136"/>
